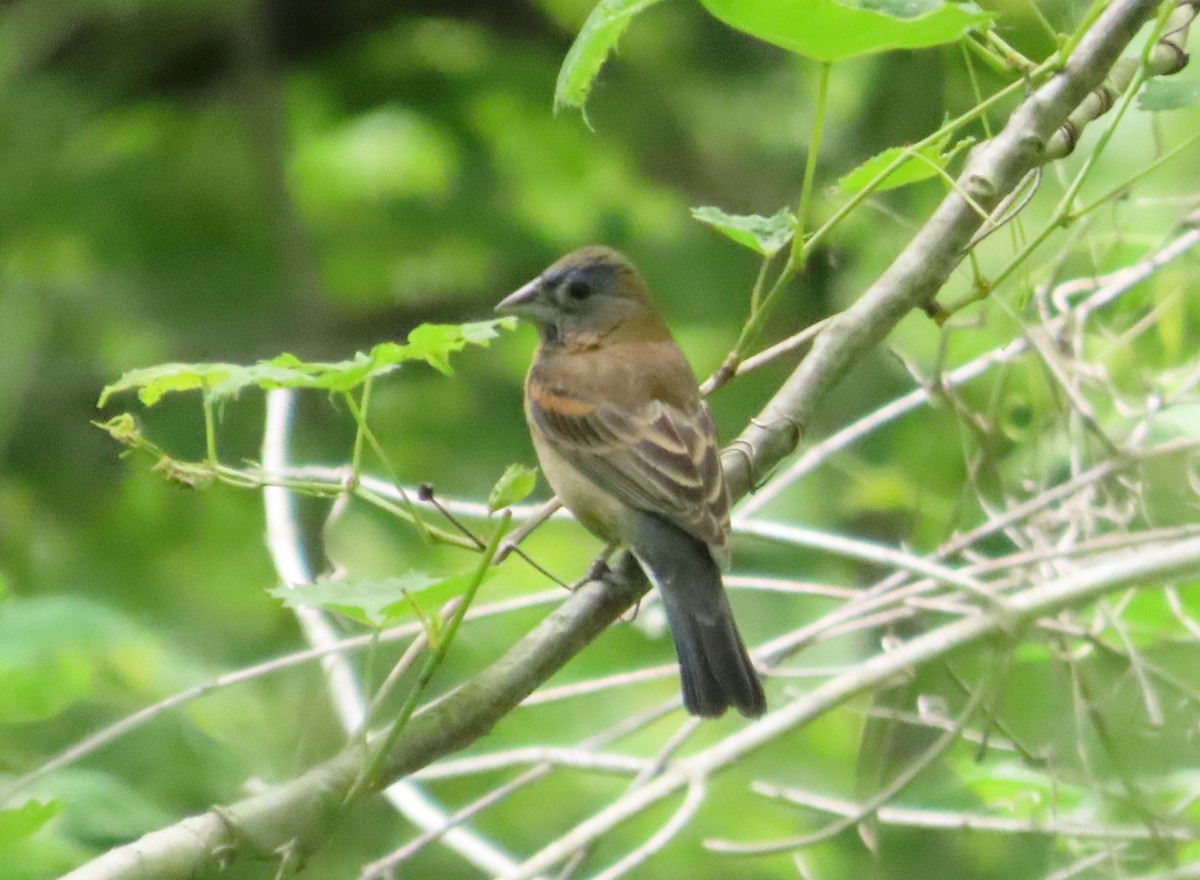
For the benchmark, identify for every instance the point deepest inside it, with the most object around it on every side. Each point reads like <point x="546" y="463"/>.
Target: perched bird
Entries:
<point x="629" y="446"/>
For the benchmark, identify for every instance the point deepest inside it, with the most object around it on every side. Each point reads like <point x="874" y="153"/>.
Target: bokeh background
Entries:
<point x="203" y="180"/>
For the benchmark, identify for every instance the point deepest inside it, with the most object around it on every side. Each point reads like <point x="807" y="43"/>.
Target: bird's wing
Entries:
<point x="657" y="457"/>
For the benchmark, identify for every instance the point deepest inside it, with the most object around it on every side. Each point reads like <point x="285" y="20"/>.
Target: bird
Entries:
<point x="628" y="444"/>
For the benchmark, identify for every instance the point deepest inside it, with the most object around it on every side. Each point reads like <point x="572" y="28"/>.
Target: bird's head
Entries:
<point x="593" y="293"/>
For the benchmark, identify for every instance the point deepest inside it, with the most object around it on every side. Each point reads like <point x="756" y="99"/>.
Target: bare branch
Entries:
<point x="959" y="821"/>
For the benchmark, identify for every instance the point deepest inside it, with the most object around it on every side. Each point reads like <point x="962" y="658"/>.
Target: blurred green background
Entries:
<point x="195" y="180"/>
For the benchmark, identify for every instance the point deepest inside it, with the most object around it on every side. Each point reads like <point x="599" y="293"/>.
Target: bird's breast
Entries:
<point x="598" y="511"/>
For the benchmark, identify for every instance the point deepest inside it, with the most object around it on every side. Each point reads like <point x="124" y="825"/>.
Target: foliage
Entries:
<point x="430" y="343"/>
<point x="514" y="486"/>
<point x="900" y="166"/>
<point x="825" y="30"/>
<point x="766" y="235"/>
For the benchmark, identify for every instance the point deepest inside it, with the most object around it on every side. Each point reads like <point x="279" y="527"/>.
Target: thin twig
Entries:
<point x="678" y="821"/>
<point x="964" y="821"/>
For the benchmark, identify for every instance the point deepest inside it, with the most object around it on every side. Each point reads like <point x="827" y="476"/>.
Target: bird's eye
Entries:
<point x="578" y="289"/>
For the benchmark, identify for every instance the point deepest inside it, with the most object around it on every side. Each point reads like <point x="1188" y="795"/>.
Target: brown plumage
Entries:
<point x="628" y="444"/>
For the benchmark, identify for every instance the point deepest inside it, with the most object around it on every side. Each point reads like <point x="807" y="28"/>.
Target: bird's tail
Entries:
<point x="713" y="663"/>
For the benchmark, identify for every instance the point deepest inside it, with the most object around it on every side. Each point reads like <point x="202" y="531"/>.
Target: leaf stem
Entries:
<point x="210" y="429"/>
<point x="372" y="770"/>
<point x="360" y="418"/>
<point x="799" y="253"/>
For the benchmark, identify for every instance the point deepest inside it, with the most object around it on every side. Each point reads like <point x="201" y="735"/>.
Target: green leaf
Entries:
<point x="514" y="486"/>
<point x="920" y="165"/>
<point x="102" y="807"/>
<point x="1183" y="417"/>
<point x="1170" y="94"/>
<point x="899" y="8"/>
<point x="765" y="235"/>
<point x="154" y="382"/>
<point x="430" y="343"/>
<point x="374" y="603"/>
<point x="1188" y="853"/>
<point x="434" y="343"/>
<point x="41" y="691"/>
<point x="54" y="650"/>
<point x="825" y="30"/>
<point x="1016" y="790"/>
<point x="23" y="821"/>
<point x="597" y="37"/>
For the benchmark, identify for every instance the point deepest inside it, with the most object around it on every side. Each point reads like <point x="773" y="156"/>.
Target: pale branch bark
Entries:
<point x="678" y="821"/>
<point x="576" y="758"/>
<point x="965" y="821"/>
<point x="285" y="820"/>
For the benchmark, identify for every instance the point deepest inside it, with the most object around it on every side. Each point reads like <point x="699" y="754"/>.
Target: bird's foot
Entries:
<point x="599" y="570"/>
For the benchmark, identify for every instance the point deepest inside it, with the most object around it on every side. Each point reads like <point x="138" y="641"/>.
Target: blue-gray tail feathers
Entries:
<point x="713" y="664"/>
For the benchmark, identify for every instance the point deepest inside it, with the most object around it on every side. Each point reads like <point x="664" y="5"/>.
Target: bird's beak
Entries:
<point x="522" y="299"/>
<point x="527" y="302"/>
